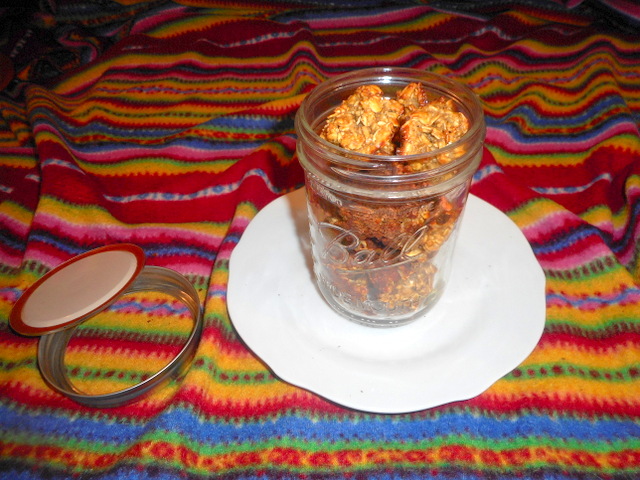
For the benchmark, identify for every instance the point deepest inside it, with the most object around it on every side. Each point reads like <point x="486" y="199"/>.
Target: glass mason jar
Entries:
<point x="383" y="226"/>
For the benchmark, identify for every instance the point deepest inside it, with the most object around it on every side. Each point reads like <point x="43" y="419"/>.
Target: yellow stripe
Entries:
<point x="567" y="389"/>
<point x="621" y="357"/>
<point x="614" y="280"/>
<point x="245" y="393"/>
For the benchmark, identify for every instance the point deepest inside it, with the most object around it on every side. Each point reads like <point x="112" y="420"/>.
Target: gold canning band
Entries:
<point x="52" y="347"/>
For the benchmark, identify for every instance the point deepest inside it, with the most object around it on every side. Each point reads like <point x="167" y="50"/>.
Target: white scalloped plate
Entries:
<point x="487" y="322"/>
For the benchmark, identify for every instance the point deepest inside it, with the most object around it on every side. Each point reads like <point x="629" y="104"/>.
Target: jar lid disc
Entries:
<point x="77" y="289"/>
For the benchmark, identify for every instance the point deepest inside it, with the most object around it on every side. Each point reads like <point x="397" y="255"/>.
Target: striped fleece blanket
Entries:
<point x="170" y="125"/>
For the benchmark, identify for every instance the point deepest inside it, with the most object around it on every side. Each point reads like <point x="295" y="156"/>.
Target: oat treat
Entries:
<point x="380" y="254"/>
<point x="366" y="122"/>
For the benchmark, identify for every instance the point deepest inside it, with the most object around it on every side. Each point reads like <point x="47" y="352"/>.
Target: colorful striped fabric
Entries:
<point x="170" y="126"/>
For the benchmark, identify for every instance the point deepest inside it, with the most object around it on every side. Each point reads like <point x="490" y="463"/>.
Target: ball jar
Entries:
<point x="383" y="226"/>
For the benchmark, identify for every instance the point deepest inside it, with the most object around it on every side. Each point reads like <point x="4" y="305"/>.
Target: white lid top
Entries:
<point x="77" y="289"/>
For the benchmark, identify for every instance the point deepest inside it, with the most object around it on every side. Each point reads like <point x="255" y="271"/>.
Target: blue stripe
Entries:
<point x="607" y="177"/>
<point x="486" y="171"/>
<point x="380" y="429"/>
<point x="535" y="137"/>
<point x="214" y="190"/>
<point x="630" y="294"/>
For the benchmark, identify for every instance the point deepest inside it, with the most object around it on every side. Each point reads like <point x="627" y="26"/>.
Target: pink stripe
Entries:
<point x="571" y="260"/>
<point x="549" y="224"/>
<point x="387" y="17"/>
<point x="625" y="7"/>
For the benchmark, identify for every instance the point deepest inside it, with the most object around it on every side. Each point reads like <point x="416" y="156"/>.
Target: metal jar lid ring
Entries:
<point x="37" y="313"/>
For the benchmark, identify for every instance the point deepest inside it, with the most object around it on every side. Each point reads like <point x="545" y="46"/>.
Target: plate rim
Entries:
<point x="363" y="404"/>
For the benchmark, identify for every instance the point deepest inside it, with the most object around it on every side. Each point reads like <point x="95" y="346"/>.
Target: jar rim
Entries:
<point x="389" y="75"/>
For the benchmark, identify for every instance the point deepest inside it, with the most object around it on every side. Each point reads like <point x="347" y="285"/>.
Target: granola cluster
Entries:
<point x="379" y="256"/>
<point x="410" y="124"/>
<point x="366" y="122"/>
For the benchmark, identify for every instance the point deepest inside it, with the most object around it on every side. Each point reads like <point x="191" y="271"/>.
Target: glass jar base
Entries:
<point x="384" y="319"/>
